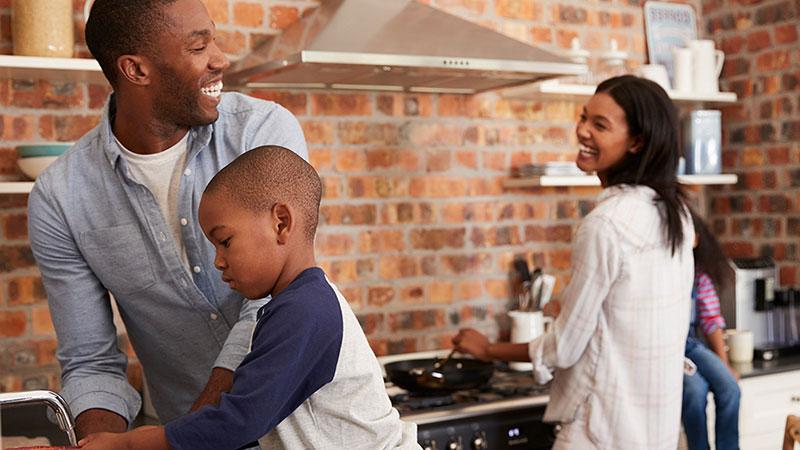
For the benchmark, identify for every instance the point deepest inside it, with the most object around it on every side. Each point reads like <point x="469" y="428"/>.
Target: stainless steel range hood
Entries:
<point x="393" y="45"/>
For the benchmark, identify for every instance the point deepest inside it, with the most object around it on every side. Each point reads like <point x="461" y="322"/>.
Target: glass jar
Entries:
<point x="43" y="28"/>
<point x="612" y="62"/>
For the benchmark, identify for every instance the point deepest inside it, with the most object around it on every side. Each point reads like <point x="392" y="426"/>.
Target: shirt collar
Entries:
<point x="200" y="135"/>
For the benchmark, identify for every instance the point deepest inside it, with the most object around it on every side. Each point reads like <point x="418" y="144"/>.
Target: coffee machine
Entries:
<point x="748" y="302"/>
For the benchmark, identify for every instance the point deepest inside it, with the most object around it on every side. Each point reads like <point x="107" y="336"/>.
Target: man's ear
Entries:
<point x="135" y="69"/>
<point x="283" y="222"/>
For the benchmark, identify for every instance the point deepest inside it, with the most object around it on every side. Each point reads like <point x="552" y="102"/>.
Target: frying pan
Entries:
<point x="457" y="374"/>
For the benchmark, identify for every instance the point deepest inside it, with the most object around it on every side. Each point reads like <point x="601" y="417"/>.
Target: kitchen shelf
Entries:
<point x="556" y="89"/>
<point x="61" y="69"/>
<point x="16" y="187"/>
<point x="591" y="180"/>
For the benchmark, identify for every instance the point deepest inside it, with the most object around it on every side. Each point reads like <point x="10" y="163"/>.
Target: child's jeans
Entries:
<point x="714" y="376"/>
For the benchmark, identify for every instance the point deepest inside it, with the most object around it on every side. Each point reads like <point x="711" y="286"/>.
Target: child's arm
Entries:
<point x="144" y="438"/>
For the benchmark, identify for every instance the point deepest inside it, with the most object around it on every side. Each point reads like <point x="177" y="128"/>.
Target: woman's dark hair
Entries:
<point x="651" y="119"/>
<point x="708" y="255"/>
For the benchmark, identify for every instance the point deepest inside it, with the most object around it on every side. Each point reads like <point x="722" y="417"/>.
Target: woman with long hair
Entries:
<point x="616" y="348"/>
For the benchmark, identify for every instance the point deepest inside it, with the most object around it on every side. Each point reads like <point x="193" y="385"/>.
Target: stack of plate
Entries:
<point x="34" y="158"/>
<point x="562" y="168"/>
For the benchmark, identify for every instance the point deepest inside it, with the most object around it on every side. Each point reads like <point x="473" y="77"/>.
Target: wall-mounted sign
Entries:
<point x="668" y="25"/>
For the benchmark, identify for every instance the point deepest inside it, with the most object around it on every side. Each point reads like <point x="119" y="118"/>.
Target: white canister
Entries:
<point x="683" y="69"/>
<point x="702" y="137"/>
<point x="740" y="345"/>
<point x="525" y="327"/>
<point x="707" y="65"/>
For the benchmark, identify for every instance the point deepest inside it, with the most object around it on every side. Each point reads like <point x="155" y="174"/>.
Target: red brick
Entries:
<point x="438" y="186"/>
<point x="13" y="323"/>
<point x="321" y="159"/>
<point x="465" y="264"/>
<point x="416" y="320"/>
<point x="789" y="276"/>
<point x="485" y="186"/>
<point x="398" y="105"/>
<point x="440" y="292"/>
<point x="377" y="187"/>
<point x="495" y="236"/>
<point x="469" y="290"/>
<point x="438" y="161"/>
<point x="98" y="94"/>
<point x="391" y="158"/>
<point x="15" y="257"/>
<point x="340" y="105"/>
<point x="785" y="34"/>
<point x="457" y="105"/>
<point x="518" y="9"/>
<point x="437" y="239"/>
<point x="293" y="101"/>
<point x="477" y="7"/>
<point x="331" y="187"/>
<point x="248" y="14"/>
<point x="776" y="60"/>
<point x="231" y="42"/>
<point x="66" y="128"/>
<point x="778" y="156"/>
<point x="466" y="159"/>
<point x="15" y="226"/>
<point x="317" y="132"/>
<point x="42" y="324"/>
<point x="381" y="241"/>
<point x="405" y="212"/>
<point x="758" y="40"/>
<point x="25" y="290"/>
<point x="349" y="161"/>
<point x="46" y="351"/>
<point x="412" y="294"/>
<point x="429" y="134"/>
<point x="383" y="134"/>
<point x="334" y="244"/>
<point x="218" y="10"/>
<point x="497" y="289"/>
<point x="354" y="296"/>
<point x="340" y="271"/>
<point x="282" y="17"/>
<point x="347" y="214"/>
<point x="394" y="267"/>
<point x="733" y="45"/>
<point x="380" y="295"/>
<point x="371" y="323"/>
<point x="17" y="128"/>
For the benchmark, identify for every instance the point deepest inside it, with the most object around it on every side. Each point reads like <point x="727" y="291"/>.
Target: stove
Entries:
<point x="505" y="414"/>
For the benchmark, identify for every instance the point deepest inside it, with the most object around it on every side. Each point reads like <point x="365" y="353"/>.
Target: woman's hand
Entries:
<point x="552" y="308"/>
<point x="142" y="438"/>
<point x="472" y="342"/>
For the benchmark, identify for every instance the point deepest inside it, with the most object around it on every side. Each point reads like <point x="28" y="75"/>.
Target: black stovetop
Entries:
<point x="504" y="385"/>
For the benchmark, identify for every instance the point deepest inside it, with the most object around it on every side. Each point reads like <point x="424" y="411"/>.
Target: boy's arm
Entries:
<point x="717" y="344"/>
<point x="144" y="438"/>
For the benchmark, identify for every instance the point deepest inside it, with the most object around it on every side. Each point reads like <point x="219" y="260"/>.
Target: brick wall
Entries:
<point x="761" y="215"/>
<point x="416" y="228"/>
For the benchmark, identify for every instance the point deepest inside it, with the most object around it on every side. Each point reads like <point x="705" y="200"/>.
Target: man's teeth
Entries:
<point x="213" y="90"/>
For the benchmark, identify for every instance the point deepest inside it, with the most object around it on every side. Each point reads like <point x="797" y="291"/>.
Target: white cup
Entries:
<point x="683" y="69"/>
<point x="655" y="72"/>
<point x="707" y="64"/>
<point x="525" y="327"/>
<point x="740" y="345"/>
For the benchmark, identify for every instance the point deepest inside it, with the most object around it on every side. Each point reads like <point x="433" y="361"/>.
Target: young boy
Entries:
<point x="310" y="379"/>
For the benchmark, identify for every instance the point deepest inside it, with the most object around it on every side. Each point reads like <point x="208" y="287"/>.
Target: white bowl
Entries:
<point x="34" y="165"/>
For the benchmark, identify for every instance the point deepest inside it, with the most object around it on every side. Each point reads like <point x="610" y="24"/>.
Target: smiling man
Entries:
<point x="118" y="214"/>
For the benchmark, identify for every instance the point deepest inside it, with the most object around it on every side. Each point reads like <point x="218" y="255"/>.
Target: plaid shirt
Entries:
<point x="617" y="345"/>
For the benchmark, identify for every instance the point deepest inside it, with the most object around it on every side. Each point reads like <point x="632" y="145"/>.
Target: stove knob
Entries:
<point x="429" y="444"/>
<point x="479" y="441"/>
<point x="454" y="444"/>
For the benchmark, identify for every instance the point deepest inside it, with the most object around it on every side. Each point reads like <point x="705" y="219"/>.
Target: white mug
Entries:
<point x="525" y="327"/>
<point x="740" y="345"/>
<point x="657" y="73"/>
<point x="682" y="69"/>
<point x="707" y="62"/>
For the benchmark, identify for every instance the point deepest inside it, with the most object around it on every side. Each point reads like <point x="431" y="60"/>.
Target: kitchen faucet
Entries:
<point x="52" y="400"/>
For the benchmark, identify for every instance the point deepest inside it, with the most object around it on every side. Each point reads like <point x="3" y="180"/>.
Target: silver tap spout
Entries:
<point x="52" y="400"/>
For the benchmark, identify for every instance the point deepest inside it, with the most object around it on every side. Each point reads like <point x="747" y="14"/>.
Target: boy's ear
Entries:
<point x="135" y="69"/>
<point x="283" y="222"/>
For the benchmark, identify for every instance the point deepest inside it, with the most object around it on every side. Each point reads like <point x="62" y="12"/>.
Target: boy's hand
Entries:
<point x="733" y="372"/>
<point x="142" y="438"/>
<point x="221" y="380"/>
<point x="472" y="342"/>
<point x="109" y="441"/>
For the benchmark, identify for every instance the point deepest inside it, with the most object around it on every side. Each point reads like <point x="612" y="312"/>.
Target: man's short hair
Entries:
<point x="123" y="27"/>
<point x="264" y="176"/>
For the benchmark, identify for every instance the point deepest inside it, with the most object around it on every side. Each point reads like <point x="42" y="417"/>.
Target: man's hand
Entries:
<point x="99" y="421"/>
<point x="143" y="438"/>
<point x="221" y="380"/>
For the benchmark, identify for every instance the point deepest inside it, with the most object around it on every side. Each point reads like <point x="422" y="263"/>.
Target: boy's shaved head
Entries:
<point x="264" y="176"/>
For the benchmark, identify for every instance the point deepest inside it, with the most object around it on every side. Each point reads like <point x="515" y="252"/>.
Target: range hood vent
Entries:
<point x="393" y="45"/>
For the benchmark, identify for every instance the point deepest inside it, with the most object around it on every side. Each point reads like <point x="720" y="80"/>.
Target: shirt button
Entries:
<point x="162" y="236"/>
<point x="187" y="172"/>
<point x="184" y="222"/>
<point x="184" y="283"/>
<point x="196" y="269"/>
<point x="213" y="316"/>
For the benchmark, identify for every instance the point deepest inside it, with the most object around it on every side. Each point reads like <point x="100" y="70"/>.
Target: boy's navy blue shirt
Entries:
<point x="290" y="360"/>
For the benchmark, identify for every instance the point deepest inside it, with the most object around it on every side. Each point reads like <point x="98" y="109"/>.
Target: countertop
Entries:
<point x="758" y="367"/>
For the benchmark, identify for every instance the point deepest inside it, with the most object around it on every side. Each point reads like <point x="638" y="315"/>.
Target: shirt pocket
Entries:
<point x="118" y="257"/>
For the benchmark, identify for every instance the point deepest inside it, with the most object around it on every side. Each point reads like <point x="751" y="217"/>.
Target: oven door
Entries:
<point x="517" y="429"/>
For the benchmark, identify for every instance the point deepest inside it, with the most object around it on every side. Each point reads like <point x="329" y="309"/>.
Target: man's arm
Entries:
<point x="99" y="420"/>
<point x="93" y="368"/>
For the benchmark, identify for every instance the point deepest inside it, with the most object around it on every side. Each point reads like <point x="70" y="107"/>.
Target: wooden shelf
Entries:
<point x="591" y="180"/>
<point x="555" y="89"/>
<point x="15" y="187"/>
<point x="60" y="69"/>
